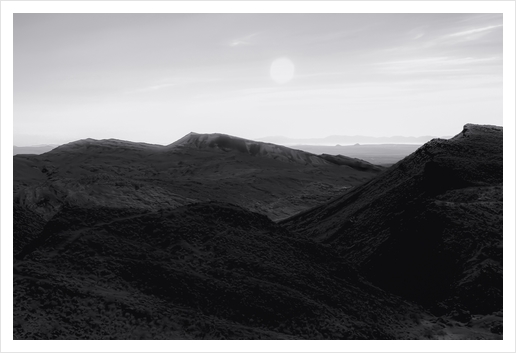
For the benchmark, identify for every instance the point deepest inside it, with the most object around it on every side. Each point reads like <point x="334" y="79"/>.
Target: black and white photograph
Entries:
<point x="263" y="175"/>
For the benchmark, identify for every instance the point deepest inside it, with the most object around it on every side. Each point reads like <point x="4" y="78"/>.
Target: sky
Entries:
<point x="156" y="77"/>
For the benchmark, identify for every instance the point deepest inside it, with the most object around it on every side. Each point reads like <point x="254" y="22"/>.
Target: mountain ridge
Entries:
<point x="195" y="168"/>
<point x="377" y="154"/>
<point x="223" y="142"/>
<point x="404" y="227"/>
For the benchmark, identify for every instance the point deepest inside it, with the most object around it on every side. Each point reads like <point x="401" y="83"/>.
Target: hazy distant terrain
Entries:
<point x="349" y="140"/>
<point x="218" y="237"/>
<point x="380" y="154"/>
<point x="33" y="149"/>
<point x="384" y="154"/>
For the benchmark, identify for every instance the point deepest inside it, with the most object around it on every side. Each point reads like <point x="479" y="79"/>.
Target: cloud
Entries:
<point x="473" y="31"/>
<point x="242" y="41"/>
<point x="236" y="43"/>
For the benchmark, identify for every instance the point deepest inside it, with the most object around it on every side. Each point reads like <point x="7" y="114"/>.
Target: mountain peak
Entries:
<point x="194" y="139"/>
<point x="476" y="130"/>
<point x="228" y="143"/>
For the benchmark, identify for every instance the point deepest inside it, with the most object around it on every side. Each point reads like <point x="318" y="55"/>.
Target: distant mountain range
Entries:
<point x="384" y="154"/>
<point x="348" y="140"/>
<point x="281" y="140"/>
<point x="39" y="149"/>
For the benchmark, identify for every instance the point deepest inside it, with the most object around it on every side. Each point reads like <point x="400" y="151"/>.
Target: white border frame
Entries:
<point x="8" y="8"/>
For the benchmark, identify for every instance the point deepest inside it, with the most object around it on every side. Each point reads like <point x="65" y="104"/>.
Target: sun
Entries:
<point x="282" y="70"/>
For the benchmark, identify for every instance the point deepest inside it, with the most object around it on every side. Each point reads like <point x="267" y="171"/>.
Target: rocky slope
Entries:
<point x="27" y="225"/>
<point x="429" y="228"/>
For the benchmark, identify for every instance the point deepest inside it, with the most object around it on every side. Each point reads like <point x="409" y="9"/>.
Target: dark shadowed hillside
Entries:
<point x="206" y="270"/>
<point x="26" y="226"/>
<point x="429" y="228"/>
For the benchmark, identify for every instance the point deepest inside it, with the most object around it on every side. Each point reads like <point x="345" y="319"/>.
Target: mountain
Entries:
<point x="229" y="143"/>
<point x="270" y="179"/>
<point x="384" y="154"/>
<point x="429" y="228"/>
<point x="259" y="149"/>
